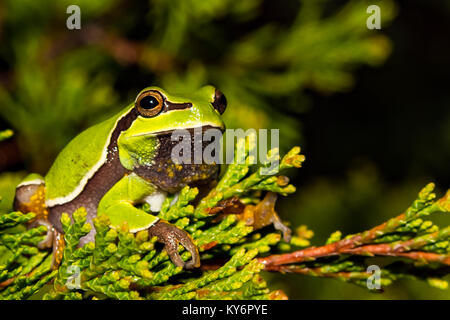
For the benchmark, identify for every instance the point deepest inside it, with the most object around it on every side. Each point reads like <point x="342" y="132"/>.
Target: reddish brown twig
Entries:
<point x="6" y="283"/>
<point x="283" y="262"/>
<point x="355" y="245"/>
<point x="335" y="249"/>
<point x="320" y="272"/>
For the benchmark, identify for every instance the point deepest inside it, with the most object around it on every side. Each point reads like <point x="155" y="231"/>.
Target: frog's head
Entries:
<point x="161" y="112"/>
<point x="147" y="142"/>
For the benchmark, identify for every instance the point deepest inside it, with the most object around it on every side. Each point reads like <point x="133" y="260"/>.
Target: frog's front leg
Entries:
<point x="119" y="205"/>
<point x="171" y="236"/>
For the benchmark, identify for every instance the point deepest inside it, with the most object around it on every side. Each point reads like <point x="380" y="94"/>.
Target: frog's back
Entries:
<point x="78" y="162"/>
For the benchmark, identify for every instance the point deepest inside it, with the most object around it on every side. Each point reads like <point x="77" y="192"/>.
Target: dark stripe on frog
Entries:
<point x="176" y="106"/>
<point x="108" y="175"/>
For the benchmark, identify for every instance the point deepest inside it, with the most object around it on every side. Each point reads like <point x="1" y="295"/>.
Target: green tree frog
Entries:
<point x="124" y="161"/>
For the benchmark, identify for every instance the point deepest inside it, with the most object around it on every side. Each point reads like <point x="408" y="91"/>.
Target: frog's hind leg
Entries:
<point x="30" y="197"/>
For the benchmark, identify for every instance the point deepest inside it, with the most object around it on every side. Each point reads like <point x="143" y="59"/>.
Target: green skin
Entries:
<point x="115" y="165"/>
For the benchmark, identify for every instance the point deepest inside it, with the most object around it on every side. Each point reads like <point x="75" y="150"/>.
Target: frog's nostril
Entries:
<point x="220" y="101"/>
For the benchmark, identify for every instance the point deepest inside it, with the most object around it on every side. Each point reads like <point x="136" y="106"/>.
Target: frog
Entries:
<point x="115" y="166"/>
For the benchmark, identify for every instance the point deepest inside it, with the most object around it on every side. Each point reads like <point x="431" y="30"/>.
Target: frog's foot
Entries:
<point x="171" y="236"/>
<point x="58" y="249"/>
<point x="264" y="214"/>
<point x="48" y="241"/>
<point x="53" y="239"/>
<point x="285" y="230"/>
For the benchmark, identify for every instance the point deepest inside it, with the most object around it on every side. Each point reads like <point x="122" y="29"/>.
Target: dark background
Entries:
<point x="394" y="125"/>
<point x="397" y="115"/>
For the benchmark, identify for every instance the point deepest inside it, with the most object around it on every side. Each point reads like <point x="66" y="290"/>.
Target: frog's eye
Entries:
<point x="220" y="102"/>
<point x="149" y="103"/>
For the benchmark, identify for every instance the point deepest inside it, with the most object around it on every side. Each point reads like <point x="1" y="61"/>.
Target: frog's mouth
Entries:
<point x="192" y="130"/>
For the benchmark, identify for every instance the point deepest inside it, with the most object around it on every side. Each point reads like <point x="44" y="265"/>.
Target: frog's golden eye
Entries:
<point x="149" y="103"/>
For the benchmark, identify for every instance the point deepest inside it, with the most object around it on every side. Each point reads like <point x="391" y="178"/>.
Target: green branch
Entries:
<point x="123" y="265"/>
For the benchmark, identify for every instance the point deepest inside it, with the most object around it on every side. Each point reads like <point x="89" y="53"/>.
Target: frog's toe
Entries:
<point x="285" y="230"/>
<point x="187" y="243"/>
<point x="58" y="249"/>
<point x="172" y="251"/>
<point x="48" y="241"/>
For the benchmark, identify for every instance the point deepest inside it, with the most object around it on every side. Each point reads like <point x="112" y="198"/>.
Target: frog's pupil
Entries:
<point x="148" y="102"/>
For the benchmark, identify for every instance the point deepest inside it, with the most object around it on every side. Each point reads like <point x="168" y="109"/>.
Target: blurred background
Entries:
<point x="370" y="108"/>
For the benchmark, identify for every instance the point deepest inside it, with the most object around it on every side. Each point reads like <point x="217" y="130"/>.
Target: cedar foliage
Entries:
<point x="122" y="265"/>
